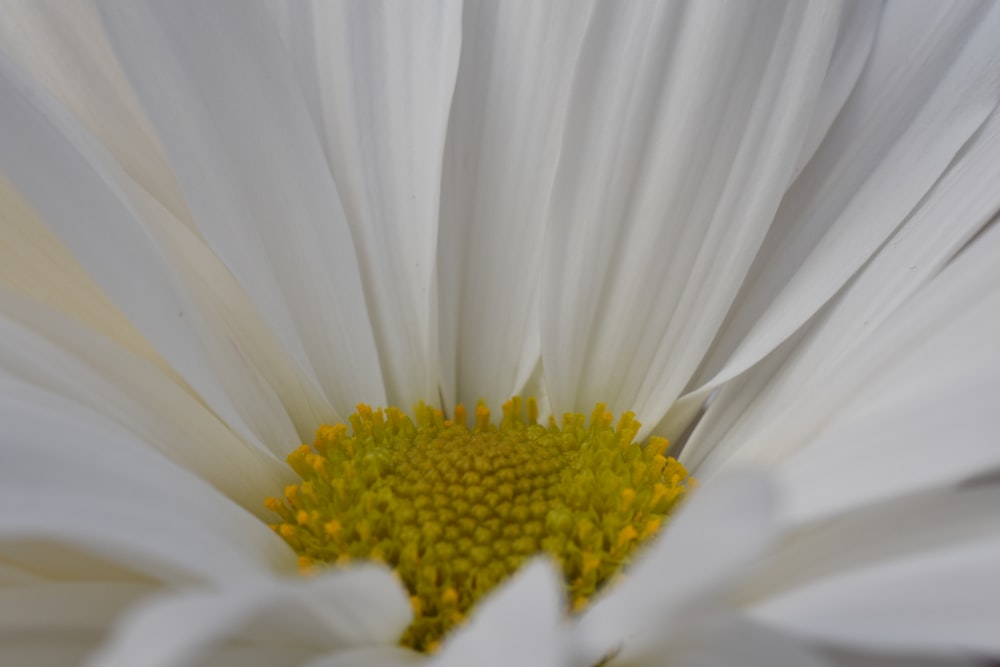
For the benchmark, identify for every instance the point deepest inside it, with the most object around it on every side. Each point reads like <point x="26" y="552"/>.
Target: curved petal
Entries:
<point x="54" y="649"/>
<point x="219" y="88"/>
<point x="382" y="656"/>
<point x="379" y="77"/>
<point x="686" y="122"/>
<point x="55" y="354"/>
<point x="15" y="574"/>
<point x="848" y="658"/>
<point x="55" y="607"/>
<point x="267" y="656"/>
<point x="44" y="151"/>
<point x="953" y="212"/>
<point x="335" y="611"/>
<point x="57" y="623"/>
<point x="728" y="641"/>
<point x="912" y="408"/>
<point x="727" y="526"/>
<point x="81" y="484"/>
<point x="941" y="603"/>
<point x="931" y="83"/>
<point x="34" y="262"/>
<point x="56" y="652"/>
<point x="506" y="124"/>
<point x="519" y="624"/>
<point x="260" y="375"/>
<point x="63" y="45"/>
<point x="850" y="55"/>
<point x="913" y="526"/>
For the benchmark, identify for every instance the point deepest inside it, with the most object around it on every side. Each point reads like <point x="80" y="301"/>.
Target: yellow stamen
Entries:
<point x="455" y="510"/>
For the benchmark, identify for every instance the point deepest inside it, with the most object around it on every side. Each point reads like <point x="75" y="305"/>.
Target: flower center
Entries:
<point x="455" y="510"/>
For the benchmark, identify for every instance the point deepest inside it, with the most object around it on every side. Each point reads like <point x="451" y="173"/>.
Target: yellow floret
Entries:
<point x="455" y="510"/>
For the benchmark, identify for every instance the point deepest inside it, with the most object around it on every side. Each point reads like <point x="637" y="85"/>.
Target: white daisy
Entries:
<point x="227" y="224"/>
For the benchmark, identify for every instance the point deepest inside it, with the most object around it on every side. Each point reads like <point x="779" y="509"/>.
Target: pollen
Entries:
<point x="455" y="509"/>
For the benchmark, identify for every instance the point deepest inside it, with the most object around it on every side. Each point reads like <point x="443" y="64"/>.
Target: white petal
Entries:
<point x="726" y="641"/>
<point x="686" y="122"/>
<point x="337" y="610"/>
<point x="260" y="375"/>
<point x="34" y="262"/>
<point x="66" y="606"/>
<point x="874" y="536"/>
<point x="943" y="602"/>
<point x="519" y="624"/>
<point x="220" y="91"/>
<point x="913" y="408"/>
<point x="72" y="651"/>
<point x="44" y="151"/>
<point x="63" y="45"/>
<point x="931" y="83"/>
<point x="253" y="656"/>
<point x="843" y="658"/>
<point x="17" y="575"/>
<point x="379" y="77"/>
<point x="854" y="44"/>
<point x="506" y="124"/>
<point x="726" y="526"/>
<point x="959" y="205"/>
<point x="55" y="652"/>
<point x="56" y="354"/>
<point x="382" y="656"/>
<point x="78" y="486"/>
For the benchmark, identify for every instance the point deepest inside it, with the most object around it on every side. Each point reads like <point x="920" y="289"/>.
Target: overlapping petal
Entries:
<point x="926" y="93"/>
<point x="726" y="527"/>
<point x="908" y="408"/>
<point x="953" y="212"/>
<point x="520" y="625"/>
<point x="379" y="78"/>
<point x="789" y="204"/>
<point x="142" y="280"/>
<point x="82" y="485"/>
<point x="220" y="91"/>
<point x="505" y="131"/>
<point x="49" y="352"/>
<point x="922" y="588"/>
<point x="338" y="611"/>
<point x="686" y="123"/>
<point x="65" y="48"/>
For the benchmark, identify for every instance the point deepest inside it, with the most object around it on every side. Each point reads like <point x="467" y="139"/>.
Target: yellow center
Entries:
<point x="455" y="510"/>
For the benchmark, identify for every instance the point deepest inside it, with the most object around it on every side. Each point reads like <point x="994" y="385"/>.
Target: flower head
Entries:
<point x="762" y="230"/>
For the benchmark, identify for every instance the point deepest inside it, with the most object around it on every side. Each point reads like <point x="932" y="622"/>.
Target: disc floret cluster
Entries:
<point x="455" y="509"/>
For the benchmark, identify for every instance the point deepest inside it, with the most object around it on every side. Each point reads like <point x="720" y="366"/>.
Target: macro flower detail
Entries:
<point x="765" y="229"/>
<point x="456" y="510"/>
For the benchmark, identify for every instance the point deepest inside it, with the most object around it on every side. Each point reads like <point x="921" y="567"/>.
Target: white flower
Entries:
<point x="227" y="223"/>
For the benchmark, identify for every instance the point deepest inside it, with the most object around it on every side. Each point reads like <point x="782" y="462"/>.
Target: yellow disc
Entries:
<point x="455" y="510"/>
